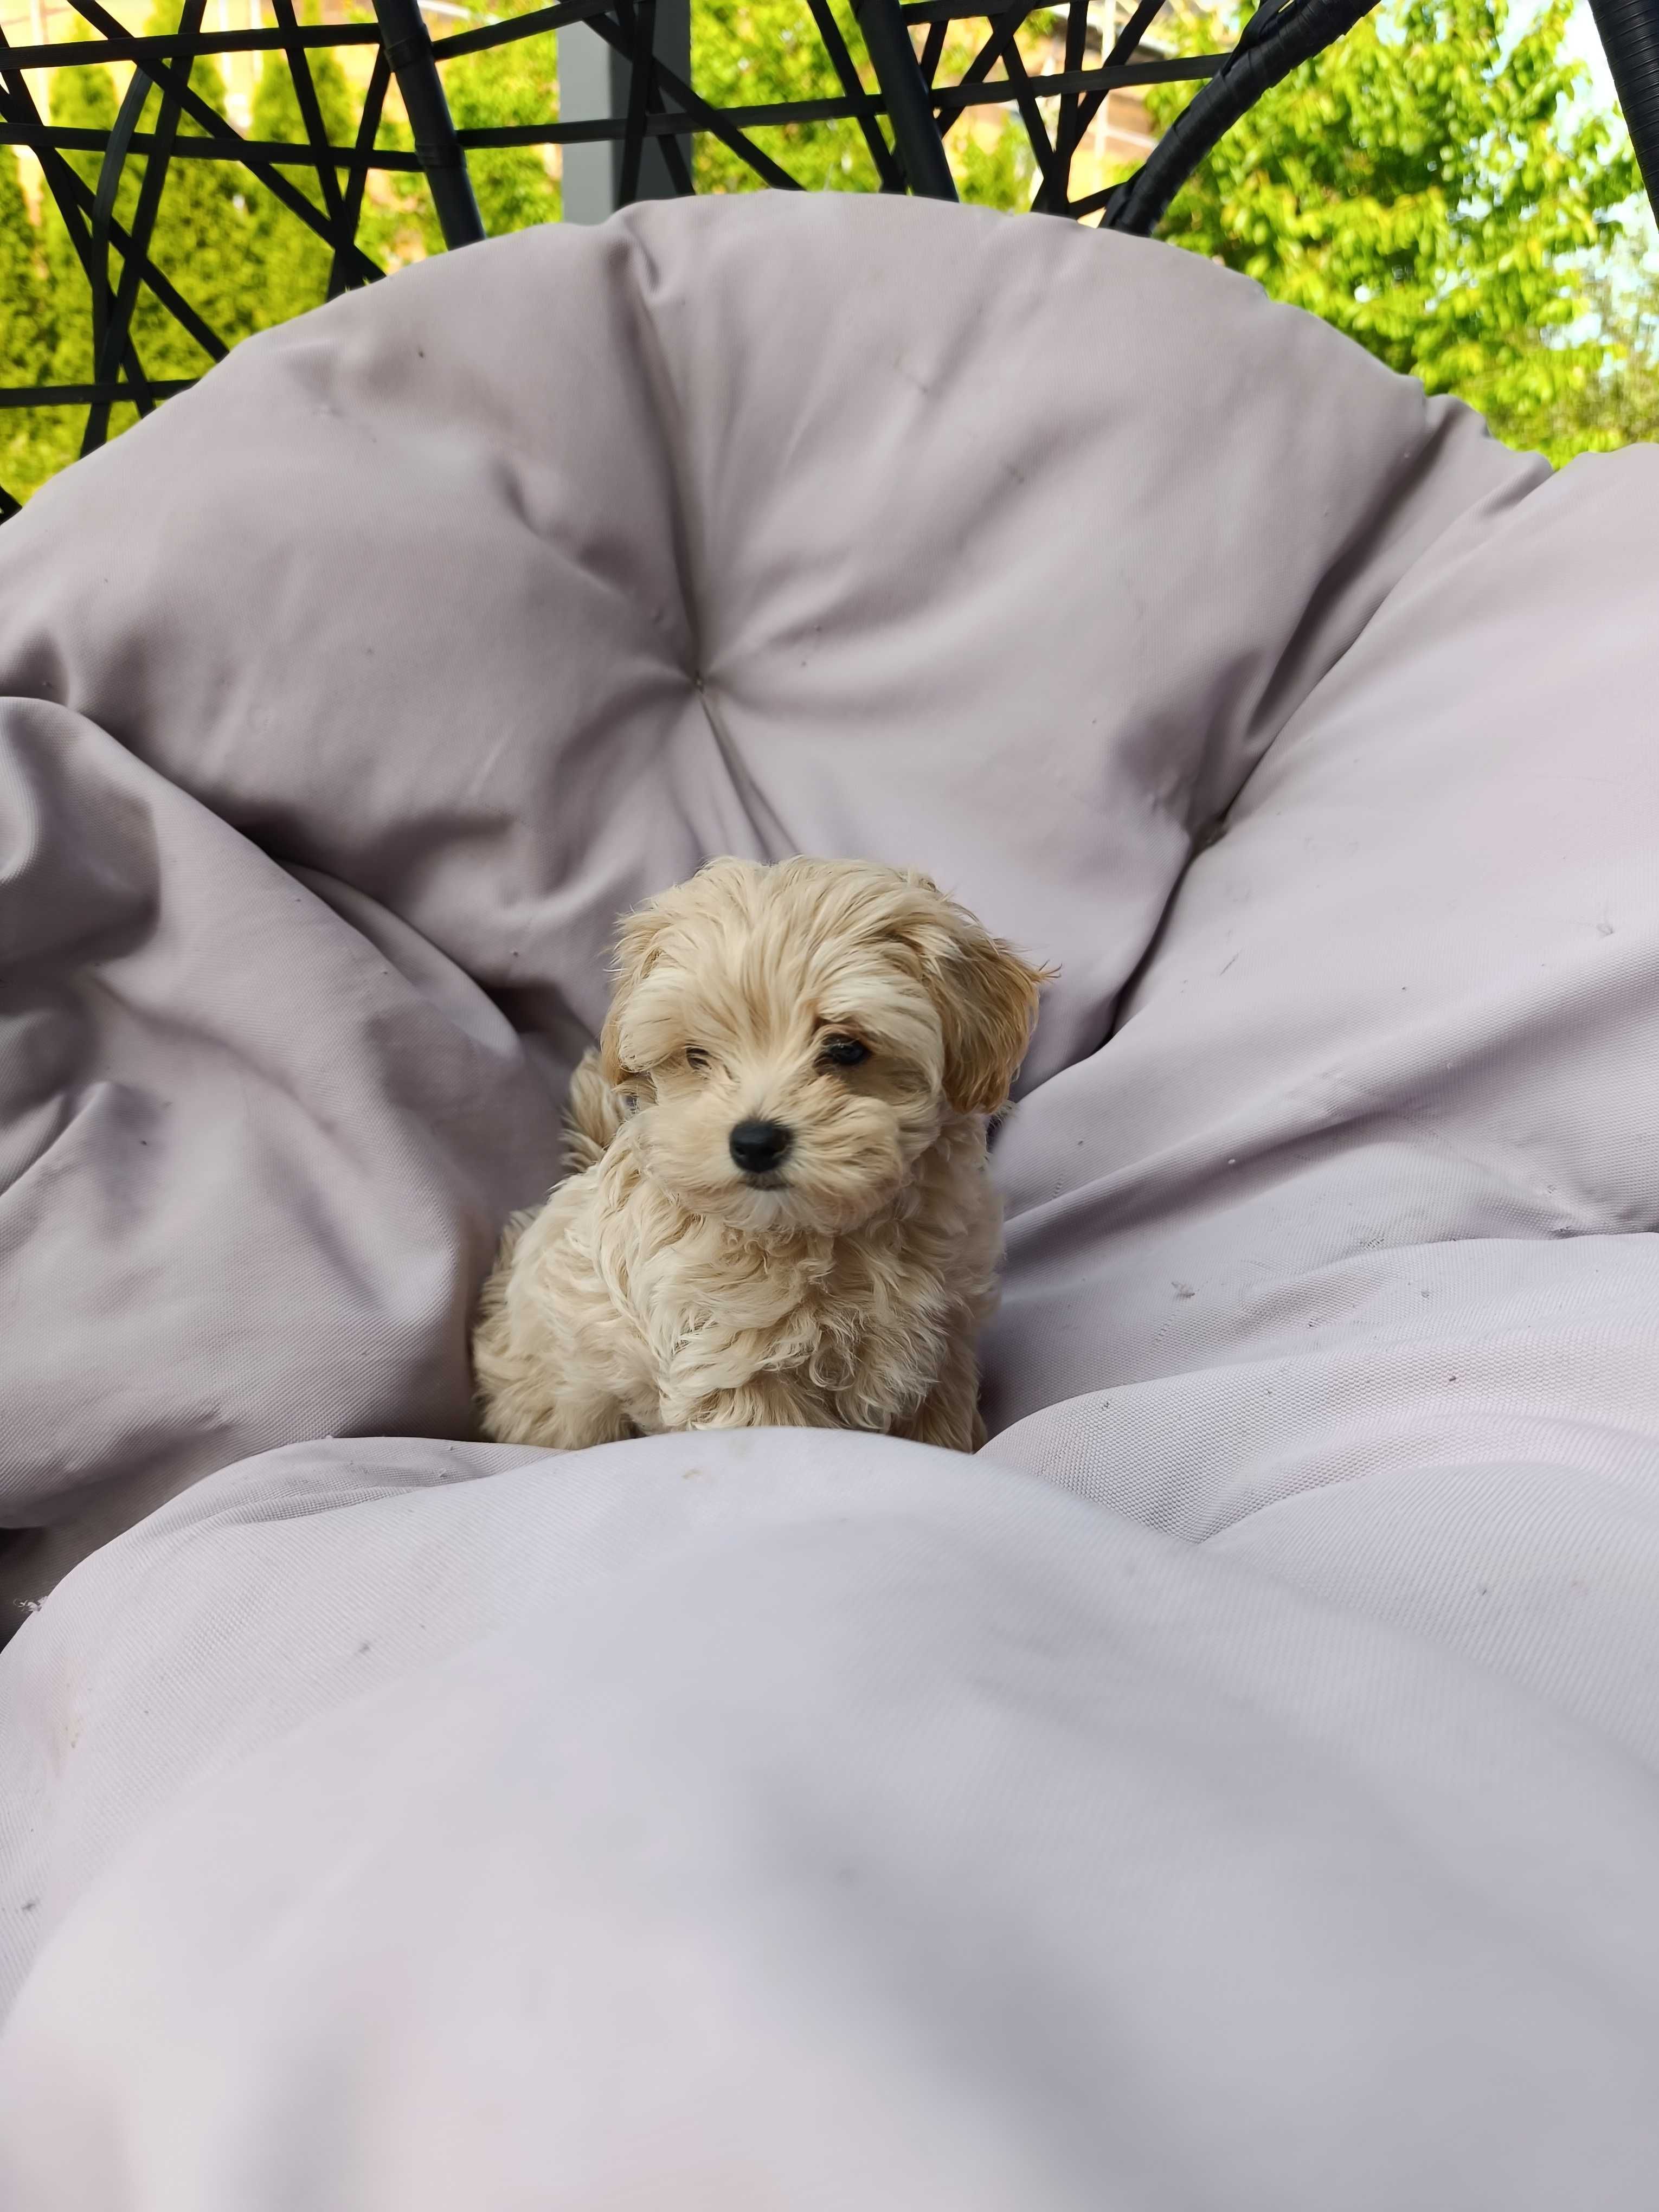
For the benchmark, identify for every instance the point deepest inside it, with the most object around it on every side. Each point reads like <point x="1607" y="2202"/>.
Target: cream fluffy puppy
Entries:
<point x="781" y="1213"/>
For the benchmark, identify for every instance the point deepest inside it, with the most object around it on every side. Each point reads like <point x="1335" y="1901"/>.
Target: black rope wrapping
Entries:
<point x="1277" y="39"/>
<point x="1630" y="38"/>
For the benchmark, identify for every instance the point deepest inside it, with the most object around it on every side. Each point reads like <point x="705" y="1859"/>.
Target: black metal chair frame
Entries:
<point x="661" y="106"/>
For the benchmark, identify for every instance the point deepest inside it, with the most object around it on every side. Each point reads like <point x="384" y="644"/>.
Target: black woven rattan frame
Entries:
<point x="895" y="94"/>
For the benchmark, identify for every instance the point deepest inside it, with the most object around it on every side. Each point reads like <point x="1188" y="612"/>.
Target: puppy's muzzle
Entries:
<point x="760" y="1147"/>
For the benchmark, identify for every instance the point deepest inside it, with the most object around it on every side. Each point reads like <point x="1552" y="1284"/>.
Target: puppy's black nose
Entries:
<point x="759" y="1147"/>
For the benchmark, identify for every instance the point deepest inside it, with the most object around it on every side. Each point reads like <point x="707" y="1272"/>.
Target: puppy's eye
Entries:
<point x="696" y="1056"/>
<point x="843" y="1052"/>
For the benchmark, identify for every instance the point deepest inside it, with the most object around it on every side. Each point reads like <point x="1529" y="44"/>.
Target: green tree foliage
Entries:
<point x="245" y="262"/>
<point x="1618" y="404"/>
<point x="241" y="258"/>
<point x="25" y="341"/>
<point x="748" y="52"/>
<point x="82" y="98"/>
<point x="515" y="186"/>
<point x="1426" y="186"/>
<point x="287" y="264"/>
<point x="490" y="91"/>
<point x="202" y="239"/>
<point x="994" y="171"/>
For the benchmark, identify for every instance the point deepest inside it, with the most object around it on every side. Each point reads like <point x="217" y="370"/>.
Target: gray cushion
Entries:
<point x="503" y="594"/>
<point x="816" y="1819"/>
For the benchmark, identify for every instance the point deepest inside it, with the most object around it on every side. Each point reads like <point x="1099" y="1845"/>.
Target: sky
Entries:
<point x="1584" y="42"/>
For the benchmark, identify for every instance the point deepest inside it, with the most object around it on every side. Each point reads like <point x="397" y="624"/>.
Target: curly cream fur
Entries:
<point x="661" y="1287"/>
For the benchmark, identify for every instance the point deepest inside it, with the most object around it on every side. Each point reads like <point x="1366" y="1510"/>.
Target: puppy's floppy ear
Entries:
<point x="637" y="946"/>
<point x="987" y="1015"/>
<point x="986" y="996"/>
